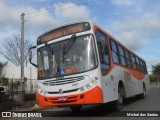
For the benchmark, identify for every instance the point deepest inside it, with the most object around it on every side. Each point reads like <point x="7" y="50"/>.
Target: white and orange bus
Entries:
<point x="80" y="64"/>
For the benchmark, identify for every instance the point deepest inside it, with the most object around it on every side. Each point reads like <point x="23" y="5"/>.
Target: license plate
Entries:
<point x="62" y="99"/>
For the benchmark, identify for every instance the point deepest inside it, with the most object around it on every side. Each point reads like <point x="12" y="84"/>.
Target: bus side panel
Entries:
<point x="133" y="83"/>
<point x="132" y="80"/>
<point x="118" y="74"/>
<point x="109" y="87"/>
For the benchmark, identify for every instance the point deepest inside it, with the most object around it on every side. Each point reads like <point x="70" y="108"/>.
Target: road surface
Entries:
<point x="102" y="112"/>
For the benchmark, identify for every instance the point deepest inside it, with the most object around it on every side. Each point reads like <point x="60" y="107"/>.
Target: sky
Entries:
<point x="135" y="23"/>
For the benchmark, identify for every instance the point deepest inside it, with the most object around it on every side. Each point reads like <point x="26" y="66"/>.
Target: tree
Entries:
<point x="156" y="69"/>
<point x="12" y="49"/>
<point x="153" y="79"/>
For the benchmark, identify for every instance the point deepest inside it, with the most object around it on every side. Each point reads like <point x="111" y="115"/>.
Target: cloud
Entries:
<point x="41" y="19"/>
<point x="123" y="2"/>
<point x="34" y="22"/>
<point x="137" y="32"/>
<point x="71" y="12"/>
<point x="156" y="50"/>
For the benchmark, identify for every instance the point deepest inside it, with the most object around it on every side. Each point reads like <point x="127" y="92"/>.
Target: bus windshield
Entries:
<point x="71" y="56"/>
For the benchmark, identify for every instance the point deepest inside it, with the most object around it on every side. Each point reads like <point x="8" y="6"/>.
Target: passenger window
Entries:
<point x="102" y="44"/>
<point x="144" y="66"/>
<point x="142" y="69"/>
<point x="114" y="52"/>
<point x="122" y="56"/>
<point x="133" y="61"/>
<point x="128" y="59"/>
<point x="138" y="64"/>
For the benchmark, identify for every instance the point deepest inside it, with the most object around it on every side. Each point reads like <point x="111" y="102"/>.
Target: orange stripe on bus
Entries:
<point x="138" y="75"/>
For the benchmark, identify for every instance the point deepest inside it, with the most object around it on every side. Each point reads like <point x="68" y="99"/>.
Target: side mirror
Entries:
<point x="30" y="56"/>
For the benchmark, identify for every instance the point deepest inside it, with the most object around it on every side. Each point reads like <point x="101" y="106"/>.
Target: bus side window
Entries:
<point x="122" y="56"/>
<point x="138" y="64"/>
<point x="133" y="61"/>
<point x="114" y="52"/>
<point x="144" y="66"/>
<point x="102" y="44"/>
<point x="128" y="59"/>
<point x="137" y="61"/>
<point x="142" y="69"/>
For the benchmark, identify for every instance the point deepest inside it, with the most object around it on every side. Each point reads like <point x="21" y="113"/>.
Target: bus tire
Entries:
<point x="76" y="108"/>
<point x="119" y="103"/>
<point x="143" y="94"/>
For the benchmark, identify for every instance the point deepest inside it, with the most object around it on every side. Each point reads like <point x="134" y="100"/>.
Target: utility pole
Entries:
<point x="22" y="57"/>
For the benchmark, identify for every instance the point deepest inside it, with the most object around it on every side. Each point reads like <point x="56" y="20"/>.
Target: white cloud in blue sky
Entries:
<point x="135" y="23"/>
<point x="38" y="20"/>
<point x="140" y="30"/>
<point x="123" y="2"/>
<point x="71" y="12"/>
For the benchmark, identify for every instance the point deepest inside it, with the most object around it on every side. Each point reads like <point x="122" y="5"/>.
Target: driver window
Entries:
<point x="40" y="65"/>
<point x="103" y="51"/>
<point x="45" y="59"/>
<point x="53" y="61"/>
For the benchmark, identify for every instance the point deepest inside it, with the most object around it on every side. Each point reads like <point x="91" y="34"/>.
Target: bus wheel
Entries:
<point x="119" y="102"/>
<point x="76" y="108"/>
<point x="142" y="95"/>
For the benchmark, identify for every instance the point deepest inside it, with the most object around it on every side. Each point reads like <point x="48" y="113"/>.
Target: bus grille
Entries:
<point x="67" y="91"/>
<point x="63" y="81"/>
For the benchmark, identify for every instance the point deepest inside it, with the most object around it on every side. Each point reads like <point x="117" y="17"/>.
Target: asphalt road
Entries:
<point x="101" y="112"/>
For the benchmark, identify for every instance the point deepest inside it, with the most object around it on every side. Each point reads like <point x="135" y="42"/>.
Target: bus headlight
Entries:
<point x="94" y="82"/>
<point x="42" y="92"/>
<point x="45" y="93"/>
<point x="82" y="89"/>
<point x="88" y="86"/>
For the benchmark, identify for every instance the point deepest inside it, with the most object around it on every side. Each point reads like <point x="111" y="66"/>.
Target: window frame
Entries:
<point x="114" y="52"/>
<point x="128" y="59"/>
<point x="122" y="57"/>
<point x="102" y="65"/>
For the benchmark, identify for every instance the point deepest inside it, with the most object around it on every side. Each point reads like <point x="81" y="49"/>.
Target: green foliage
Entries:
<point x="152" y="78"/>
<point x="156" y="69"/>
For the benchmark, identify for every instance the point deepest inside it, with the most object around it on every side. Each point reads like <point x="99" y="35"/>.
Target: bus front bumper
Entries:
<point x="93" y="96"/>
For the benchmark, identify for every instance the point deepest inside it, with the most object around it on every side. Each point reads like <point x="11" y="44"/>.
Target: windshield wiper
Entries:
<point x="69" y="44"/>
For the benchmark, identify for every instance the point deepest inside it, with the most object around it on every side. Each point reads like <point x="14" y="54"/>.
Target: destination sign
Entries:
<point x="63" y="31"/>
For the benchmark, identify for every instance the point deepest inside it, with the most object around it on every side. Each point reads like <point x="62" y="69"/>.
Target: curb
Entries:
<point x="34" y="108"/>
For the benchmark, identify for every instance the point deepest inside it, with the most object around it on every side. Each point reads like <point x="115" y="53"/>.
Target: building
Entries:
<point x="13" y="73"/>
